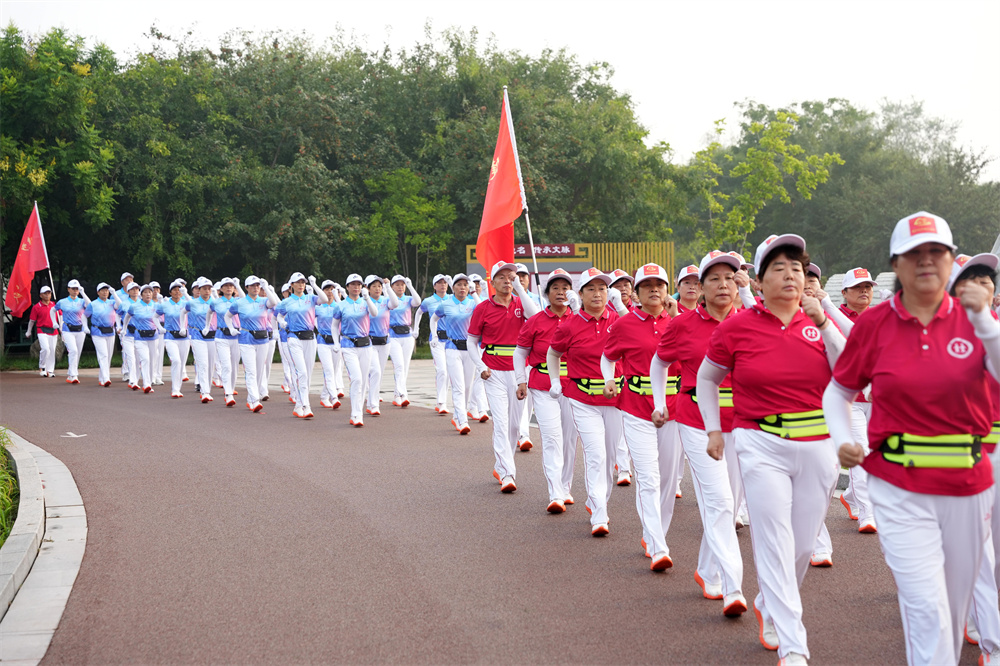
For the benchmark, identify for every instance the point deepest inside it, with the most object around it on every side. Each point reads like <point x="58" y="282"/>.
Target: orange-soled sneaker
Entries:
<point x="396" y="403"/>
<point x="483" y="418"/>
<point x="297" y="412"/>
<point x="867" y="526"/>
<point x="106" y="384"/>
<point x="373" y="412"/>
<point x="971" y="633"/>
<point x="464" y="430"/>
<point x="358" y="424"/>
<point x="291" y="399"/>
<point x="405" y="403"/>
<point x="821" y="561"/>
<point x="69" y="380"/>
<point x="308" y="412"/>
<point x="325" y="403"/>
<point x="336" y="404"/>
<point x="176" y="395"/>
<point x="708" y="590"/>
<point x="661" y="562"/>
<point x="507" y="485"/>
<point x="645" y="549"/>
<point x="340" y="394"/>
<point x="569" y="500"/>
<point x="734" y="605"/>
<point x="524" y="444"/>
<point x="256" y="408"/>
<point x="235" y="392"/>
<point x="768" y="634"/>
<point x="134" y="387"/>
<point x="850" y="511"/>
<point x="555" y="506"/>
<point x="230" y="402"/>
<point x="496" y="475"/>
<point x="207" y="398"/>
<point x="599" y="530"/>
<point x="285" y="389"/>
<point x="216" y="383"/>
<point x="148" y="389"/>
<point x="443" y="411"/>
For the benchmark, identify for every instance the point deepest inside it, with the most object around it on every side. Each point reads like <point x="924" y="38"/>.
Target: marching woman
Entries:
<point x="176" y="340"/>
<point x="583" y="337"/>
<point x="430" y="304"/>
<point x="299" y="312"/>
<point x="655" y="453"/>
<point x="156" y="355"/>
<point x="620" y="300"/>
<point x="287" y="369"/>
<point x="401" y="342"/>
<point x="227" y="337"/>
<point x="779" y="355"/>
<point x="688" y="289"/>
<point x="554" y="415"/>
<point x="456" y="311"/>
<point x="127" y="332"/>
<point x="353" y="327"/>
<point x="928" y="480"/>
<point x="146" y="322"/>
<point x="385" y="300"/>
<point x="199" y="313"/>
<point x="717" y="485"/>
<point x="43" y="317"/>
<point x="252" y="310"/>
<point x="524" y="426"/>
<point x="103" y="314"/>
<point x="496" y="323"/>
<point x="328" y="346"/>
<point x="74" y="327"/>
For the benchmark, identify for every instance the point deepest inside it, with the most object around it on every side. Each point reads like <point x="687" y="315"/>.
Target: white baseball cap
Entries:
<point x="521" y="268"/>
<point x="73" y="284"/>
<point x="688" y="271"/>
<point x="964" y="262"/>
<point x="439" y="277"/>
<point x="251" y="280"/>
<point x="296" y="277"/>
<point x="744" y="264"/>
<point x="716" y="257"/>
<point x="154" y="283"/>
<point x="226" y="280"/>
<point x="857" y="276"/>
<point x="475" y="277"/>
<point x="372" y="278"/>
<point x="770" y="243"/>
<point x="326" y="283"/>
<point x="594" y="273"/>
<point x="145" y="287"/>
<point x="648" y="272"/>
<point x="619" y="274"/>
<point x="103" y="285"/>
<point x="44" y="290"/>
<point x="502" y="266"/>
<point x="125" y="275"/>
<point x="917" y="229"/>
<point x="182" y="281"/>
<point x="557" y="274"/>
<point x="133" y="285"/>
<point x="175" y="283"/>
<point x="353" y="277"/>
<point x="813" y="268"/>
<point x="397" y="278"/>
<point x="460" y="276"/>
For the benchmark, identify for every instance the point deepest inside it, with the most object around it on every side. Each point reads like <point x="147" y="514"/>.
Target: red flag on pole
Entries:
<point x="504" y="197"/>
<point x="31" y="257"/>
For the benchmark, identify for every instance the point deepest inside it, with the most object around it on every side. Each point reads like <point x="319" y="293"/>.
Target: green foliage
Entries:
<point x="9" y="493"/>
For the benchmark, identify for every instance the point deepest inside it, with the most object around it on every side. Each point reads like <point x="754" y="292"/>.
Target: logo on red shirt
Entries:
<point x="811" y="333"/>
<point x="517" y="312"/>
<point x="960" y="348"/>
<point x="922" y="225"/>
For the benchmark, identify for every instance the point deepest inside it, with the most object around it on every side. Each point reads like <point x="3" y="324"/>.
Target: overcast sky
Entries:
<point x="683" y="63"/>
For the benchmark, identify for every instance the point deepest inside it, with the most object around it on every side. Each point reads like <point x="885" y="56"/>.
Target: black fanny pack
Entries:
<point x="131" y="328"/>
<point x="47" y="329"/>
<point x="210" y="336"/>
<point x="177" y="334"/>
<point x="401" y="329"/>
<point x="74" y="328"/>
<point x="442" y="335"/>
<point x="328" y="339"/>
<point x="147" y="334"/>
<point x="228" y="331"/>
<point x="260" y="335"/>
<point x="361" y="342"/>
<point x="304" y="335"/>
<point x="106" y="330"/>
<point x="380" y="339"/>
<point x="461" y="344"/>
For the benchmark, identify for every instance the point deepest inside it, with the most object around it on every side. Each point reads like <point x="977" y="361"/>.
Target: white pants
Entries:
<point x="933" y="545"/>
<point x="338" y="372"/>
<point x="328" y="362"/>
<point x="254" y="357"/>
<point x="47" y="352"/>
<point x="357" y="360"/>
<point x="303" y="357"/>
<point x="656" y="454"/>
<point x="145" y="350"/>
<point x="984" y="600"/>
<point x="555" y="423"/>
<point x="265" y="378"/>
<point x="177" y="350"/>
<point x="287" y="368"/>
<point x="228" y="351"/>
<point x="501" y="393"/>
<point x="74" y="345"/>
<point x="461" y="370"/>
<point x="130" y="364"/>
<point x="524" y="426"/>
<point x="204" y="363"/>
<point x="401" y="351"/>
<point x="788" y="485"/>
<point x="478" y="404"/>
<point x="440" y="373"/>
<point x="856" y="493"/>
<point x="105" y="346"/>
<point x="719" y="559"/>
<point x="600" y="430"/>
<point x="379" y="356"/>
<point x="156" y="356"/>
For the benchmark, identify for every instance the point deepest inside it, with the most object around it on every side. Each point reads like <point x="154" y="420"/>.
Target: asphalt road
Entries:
<point x="221" y="536"/>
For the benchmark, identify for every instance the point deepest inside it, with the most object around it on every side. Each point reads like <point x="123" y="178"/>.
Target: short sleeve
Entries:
<point x="478" y="317"/>
<point x="854" y="365"/>
<point x="526" y="336"/>
<point x="280" y="308"/>
<point x="425" y="305"/>
<point x="159" y="309"/>
<point x="234" y="309"/>
<point x="337" y="312"/>
<point x="613" y="347"/>
<point x="666" y="349"/>
<point x="89" y="310"/>
<point x="561" y="338"/>
<point x="719" y="352"/>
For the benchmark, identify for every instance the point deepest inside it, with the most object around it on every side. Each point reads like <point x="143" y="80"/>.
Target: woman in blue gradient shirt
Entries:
<point x="353" y="319"/>
<point x="254" y="328"/>
<point x="103" y="315"/>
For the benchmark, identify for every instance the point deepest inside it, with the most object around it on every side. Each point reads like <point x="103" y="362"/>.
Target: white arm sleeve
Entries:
<point x="416" y="296"/>
<point x="239" y="290"/>
<point x="476" y="351"/>
<point x="709" y="378"/>
<point x="530" y="307"/>
<point x="658" y="379"/>
<point x="839" y="318"/>
<point x="746" y="297"/>
<point x="372" y="308"/>
<point x="520" y="365"/>
<point x="607" y="368"/>
<point x="393" y="298"/>
<point x="837" y="412"/>
<point x="416" y="321"/>
<point x="552" y="360"/>
<point x="834" y="341"/>
<point x="229" y="321"/>
<point x="988" y="331"/>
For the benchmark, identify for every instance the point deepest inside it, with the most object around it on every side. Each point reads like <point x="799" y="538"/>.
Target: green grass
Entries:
<point x="8" y="489"/>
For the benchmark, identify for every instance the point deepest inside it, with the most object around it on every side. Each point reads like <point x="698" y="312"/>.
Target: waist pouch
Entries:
<point x="937" y="452"/>
<point x="595" y="386"/>
<point x="544" y="368"/>
<point x="303" y="335"/>
<point x="228" y="331"/>
<point x="994" y="436"/>
<point x="380" y="339"/>
<point x="461" y="344"/>
<point x="47" y="329"/>
<point x="177" y="334"/>
<point x="74" y="328"/>
<point x="500" y="350"/>
<point x="361" y="342"/>
<point x="147" y="334"/>
<point x="795" y="425"/>
<point x="260" y="335"/>
<point x="210" y="336"/>
<point x="131" y="328"/>
<point x="725" y="396"/>
<point x="644" y="385"/>
<point x="442" y="335"/>
<point x="401" y="329"/>
<point x="328" y="339"/>
<point x="106" y="330"/>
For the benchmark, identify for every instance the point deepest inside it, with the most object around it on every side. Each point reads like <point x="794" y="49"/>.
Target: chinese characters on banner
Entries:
<point x="550" y="250"/>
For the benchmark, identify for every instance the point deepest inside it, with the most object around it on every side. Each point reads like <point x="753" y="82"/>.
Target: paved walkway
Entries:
<point x="220" y="536"/>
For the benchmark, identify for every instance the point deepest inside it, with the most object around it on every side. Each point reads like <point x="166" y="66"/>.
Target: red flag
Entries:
<point x="31" y="257"/>
<point x="504" y="197"/>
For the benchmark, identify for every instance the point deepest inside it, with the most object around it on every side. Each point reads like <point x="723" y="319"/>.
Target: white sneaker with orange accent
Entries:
<point x="507" y="485"/>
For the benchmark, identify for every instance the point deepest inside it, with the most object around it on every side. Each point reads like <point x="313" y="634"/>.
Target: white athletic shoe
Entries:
<point x="768" y="634"/>
<point x="599" y="530"/>
<point x="971" y="632"/>
<point x="734" y="605"/>
<point x="158" y="382"/>
<point x="124" y="378"/>
<point x="742" y="520"/>
<point x="867" y="526"/>
<point x="793" y="659"/>
<point x="507" y="484"/>
<point x="624" y="479"/>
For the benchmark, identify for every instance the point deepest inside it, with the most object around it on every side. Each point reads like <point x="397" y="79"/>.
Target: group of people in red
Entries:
<point x="767" y="395"/>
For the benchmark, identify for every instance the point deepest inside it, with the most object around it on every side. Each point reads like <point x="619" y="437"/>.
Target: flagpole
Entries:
<point x="41" y="235"/>
<point x="534" y="261"/>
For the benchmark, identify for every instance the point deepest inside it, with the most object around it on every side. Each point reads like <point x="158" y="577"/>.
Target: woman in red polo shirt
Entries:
<point x="656" y="454"/>
<point x="582" y="336"/>
<point x="554" y="415"/>
<point x="43" y="317"/>
<point x="717" y="483"/>
<point x="779" y="354"/>
<point x="930" y="485"/>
